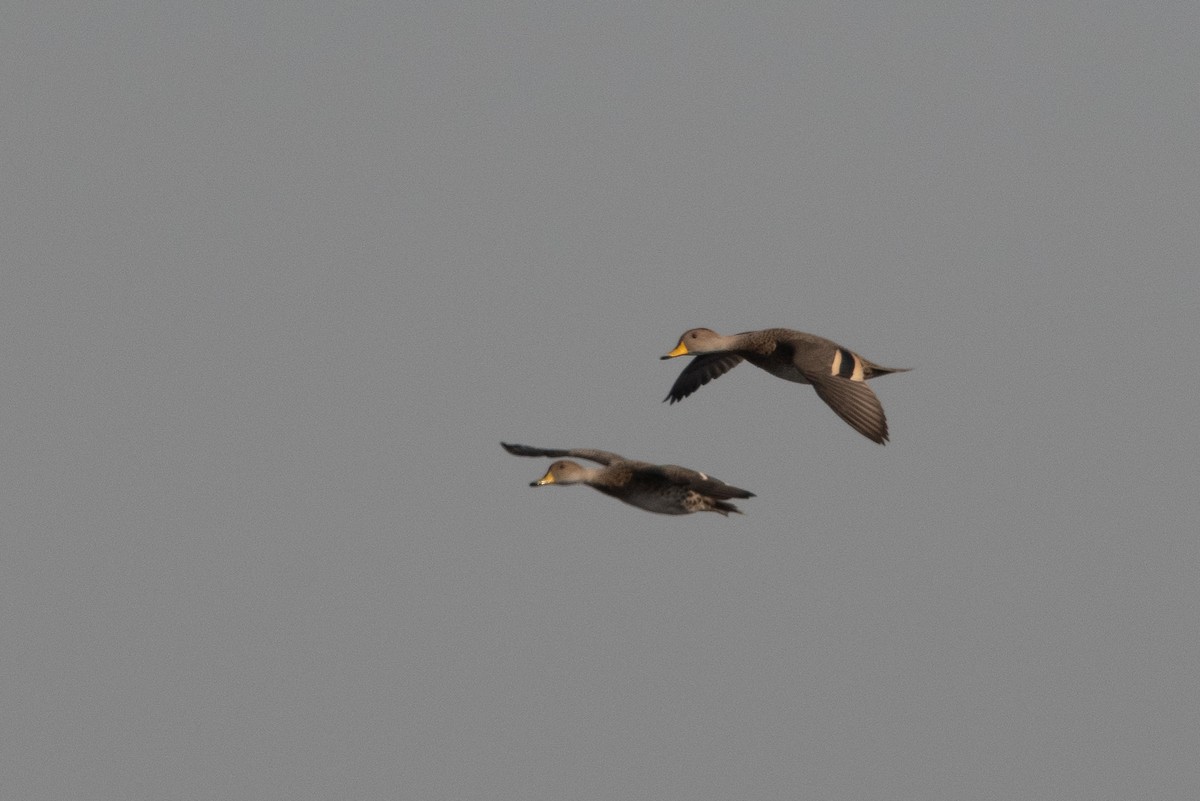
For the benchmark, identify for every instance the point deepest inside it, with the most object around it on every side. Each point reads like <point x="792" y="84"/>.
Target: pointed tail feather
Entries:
<point x="724" y="508"/>
<point x="875" y="370"/>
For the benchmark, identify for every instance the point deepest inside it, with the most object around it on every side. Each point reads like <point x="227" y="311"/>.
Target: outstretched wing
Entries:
<point x="702" y="369"/>
<point x="693" y="479"/>
<point x="601" y="457"/>
<point x="855" y="403"/>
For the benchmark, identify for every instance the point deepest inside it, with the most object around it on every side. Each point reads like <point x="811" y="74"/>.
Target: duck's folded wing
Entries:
<point x="855" y="403"/>
<point x="600" y="457"/>
<point x="693" y="479"/>
<point x="701" y="370"/>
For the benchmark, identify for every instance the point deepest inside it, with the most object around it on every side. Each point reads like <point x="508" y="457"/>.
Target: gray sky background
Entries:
<point x="276" y="280"/>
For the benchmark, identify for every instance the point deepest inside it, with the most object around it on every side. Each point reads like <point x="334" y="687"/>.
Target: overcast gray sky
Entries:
<point x="277" y="279"/>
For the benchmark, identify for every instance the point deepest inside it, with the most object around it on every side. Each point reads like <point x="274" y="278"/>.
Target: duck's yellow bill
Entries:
<point x="680" y="350"/>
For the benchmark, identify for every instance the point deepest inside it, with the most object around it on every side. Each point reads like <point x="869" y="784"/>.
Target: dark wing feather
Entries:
<point x="601" y="457"/>
<point x="855" y="403"/>
<point x="701" y="370"/>
<point x="704" y="484"/>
